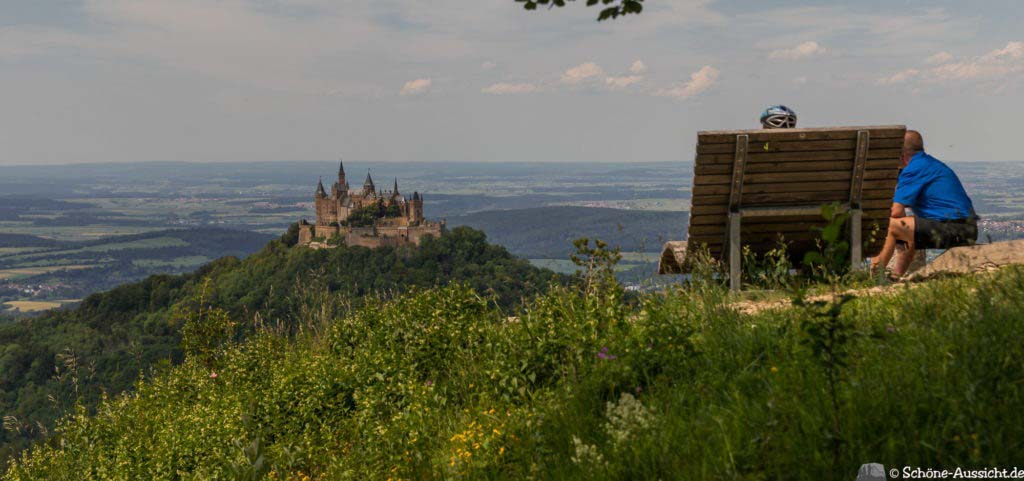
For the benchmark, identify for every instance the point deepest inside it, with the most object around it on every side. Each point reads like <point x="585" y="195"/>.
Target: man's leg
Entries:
<point x="900" y="229"/>
<point x="904" y="259"/>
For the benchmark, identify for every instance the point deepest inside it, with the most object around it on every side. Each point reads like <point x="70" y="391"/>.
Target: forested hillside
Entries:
<point x="440" y="384"/>
<point x="63" y="358"/>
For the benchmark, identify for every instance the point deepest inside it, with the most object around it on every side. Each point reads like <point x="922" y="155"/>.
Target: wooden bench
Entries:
<point x="751" y="187"/>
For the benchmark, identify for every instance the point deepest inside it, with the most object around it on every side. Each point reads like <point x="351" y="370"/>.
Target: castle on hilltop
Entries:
<point x="366" y="217"/>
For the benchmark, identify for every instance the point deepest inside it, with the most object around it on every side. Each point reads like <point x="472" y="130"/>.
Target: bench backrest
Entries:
<point x="751" y="169"/>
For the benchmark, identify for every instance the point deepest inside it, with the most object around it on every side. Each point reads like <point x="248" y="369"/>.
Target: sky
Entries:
<point x="485" y="80"/>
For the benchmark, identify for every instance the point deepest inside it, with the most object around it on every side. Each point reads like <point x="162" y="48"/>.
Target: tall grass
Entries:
<point x="441" y="384"/>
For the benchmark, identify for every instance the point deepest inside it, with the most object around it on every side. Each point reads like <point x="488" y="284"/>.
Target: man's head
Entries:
<point x="912" y="144"/>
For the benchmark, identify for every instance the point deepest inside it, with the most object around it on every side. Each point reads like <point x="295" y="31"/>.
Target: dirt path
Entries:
<point x="967" y="260"/>
<point x="753" y="307"/>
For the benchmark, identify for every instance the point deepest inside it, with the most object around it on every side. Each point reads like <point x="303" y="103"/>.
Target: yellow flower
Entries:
<point x="774" y="369"/>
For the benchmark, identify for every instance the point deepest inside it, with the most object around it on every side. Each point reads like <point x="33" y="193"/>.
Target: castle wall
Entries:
<point x="305" y="234"/>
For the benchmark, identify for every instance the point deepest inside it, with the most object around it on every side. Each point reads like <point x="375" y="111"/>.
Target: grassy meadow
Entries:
<point x="580" y="383"/>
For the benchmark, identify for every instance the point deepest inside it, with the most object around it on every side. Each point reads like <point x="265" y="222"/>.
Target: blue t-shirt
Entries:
<point x="932" y="189"/>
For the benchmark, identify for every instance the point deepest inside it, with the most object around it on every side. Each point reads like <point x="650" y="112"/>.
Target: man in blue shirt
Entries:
<point x="943" y="214"/>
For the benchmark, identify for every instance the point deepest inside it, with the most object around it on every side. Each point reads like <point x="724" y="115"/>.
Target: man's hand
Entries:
<point x="898" y="210"/>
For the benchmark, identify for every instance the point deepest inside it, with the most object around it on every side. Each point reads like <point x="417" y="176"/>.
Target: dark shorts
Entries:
<point x="943" y="234"/>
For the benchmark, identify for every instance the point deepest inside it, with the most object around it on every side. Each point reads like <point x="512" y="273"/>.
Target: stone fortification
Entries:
<point x="366" y="217"/>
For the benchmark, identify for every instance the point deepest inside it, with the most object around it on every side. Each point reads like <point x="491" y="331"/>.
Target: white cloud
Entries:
<point x="1014" y="50"/>
<point x="804" y="50"/>
<point x="510" y="88"/>
<point x="616" y="83"/>
<point x="700" y="81"/>
<point x="488" y="65"/>
<point x="416" y="87"/>
<point x="638" y="67"/>
<point x="939" y="58"/>
<point x="995" y="65"/>
<point x="889" y="31"/>
<point x="582" y="73"/>
<point x="899" y="77"/>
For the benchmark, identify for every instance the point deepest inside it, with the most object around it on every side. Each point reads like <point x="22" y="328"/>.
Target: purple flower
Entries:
<point x="430" y="383"/>
<point x="639" y="389"/>
<point x="604" y="354"/>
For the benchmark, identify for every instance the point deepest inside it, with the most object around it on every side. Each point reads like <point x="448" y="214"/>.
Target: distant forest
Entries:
<point x="548" y="232"/>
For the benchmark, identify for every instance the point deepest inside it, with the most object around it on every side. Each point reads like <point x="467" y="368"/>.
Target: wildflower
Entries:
<point x="626" y="418"/>
<point x="213" y="375"/>
<point x="604" y="354"/>
<point x="774" y="369"/>
<point x="639" y="389"/>
<point x="430" y="383"/>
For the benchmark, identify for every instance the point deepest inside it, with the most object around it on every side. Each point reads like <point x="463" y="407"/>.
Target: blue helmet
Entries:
<point x="778" y="117"/>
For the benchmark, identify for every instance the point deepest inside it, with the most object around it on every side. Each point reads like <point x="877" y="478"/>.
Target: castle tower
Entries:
<point x="416" y="208"/>
<point x="320" y="192"/>
<point x="342" y="184"/>
<point x="368" y="188"/>
<point x="394" y="193"/>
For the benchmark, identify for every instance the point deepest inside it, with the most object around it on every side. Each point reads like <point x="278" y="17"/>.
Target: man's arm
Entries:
<point x="898" y="210"/>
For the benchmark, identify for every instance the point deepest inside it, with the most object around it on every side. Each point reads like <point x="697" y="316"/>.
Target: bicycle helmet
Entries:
<point x="778" y="117"/>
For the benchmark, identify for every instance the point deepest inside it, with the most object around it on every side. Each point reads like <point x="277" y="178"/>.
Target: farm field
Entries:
<point x="20" y="273"/>
<point x="36" y="306"/>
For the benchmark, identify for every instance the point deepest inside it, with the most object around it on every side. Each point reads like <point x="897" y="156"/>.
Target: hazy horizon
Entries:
<point x="398" y="162"/>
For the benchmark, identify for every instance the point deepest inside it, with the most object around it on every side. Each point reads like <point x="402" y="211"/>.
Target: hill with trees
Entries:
<point x="442" y="384"/>
<point x="61" y="359"/>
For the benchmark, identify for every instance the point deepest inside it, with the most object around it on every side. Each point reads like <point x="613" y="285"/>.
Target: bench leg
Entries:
<point x="734" y="251"/>
<point x="856" y="243"/>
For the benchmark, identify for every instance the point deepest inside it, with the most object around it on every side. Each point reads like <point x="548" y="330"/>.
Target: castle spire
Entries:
<point x="342" y="184"/>
<point x="368" y="187"/>
<point x="395" y="192"/>
<point x="320" y="192"/>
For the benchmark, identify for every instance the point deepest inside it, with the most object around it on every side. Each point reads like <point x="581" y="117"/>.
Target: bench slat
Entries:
<point x="780" y="166"/>
<point x="870" y="215"/>
<point x="767" y="238"/>
<point x="801" y="146"/>
<point x="812" y="197"/>
<point x="779" y="135"/>
<point x="882" y="184"/>
<point x="784" y="227"/>
<point x="810" y="156"/>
